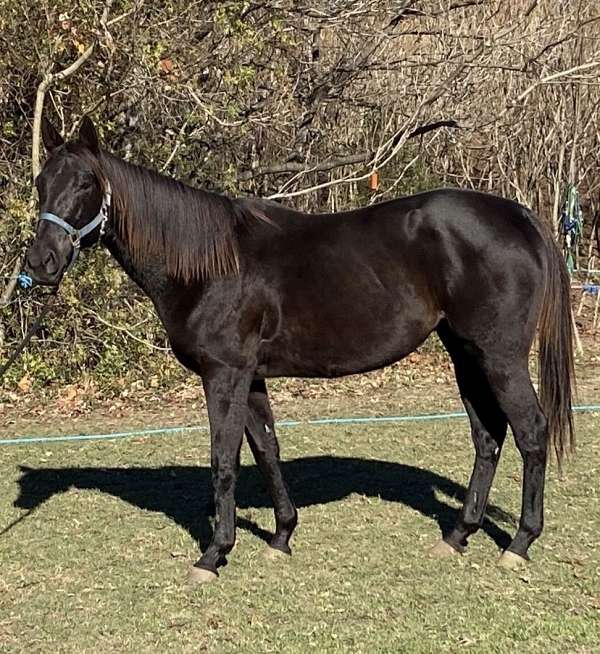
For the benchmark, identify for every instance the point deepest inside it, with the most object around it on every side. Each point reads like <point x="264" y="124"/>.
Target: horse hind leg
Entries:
<point x="513" y="388"/>
<point x="488" y="431"/>
<point x="507" y="380"/>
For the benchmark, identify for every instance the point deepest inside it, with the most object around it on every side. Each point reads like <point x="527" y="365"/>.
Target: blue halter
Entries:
<point x="75" y="235"/>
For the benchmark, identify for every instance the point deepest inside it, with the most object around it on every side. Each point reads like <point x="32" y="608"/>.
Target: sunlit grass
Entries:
<point x="101" y="561"/>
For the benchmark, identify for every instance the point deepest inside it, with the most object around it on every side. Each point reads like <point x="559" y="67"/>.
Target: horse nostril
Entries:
<point x="50" y="261"/>
<point x="31" y="261"/>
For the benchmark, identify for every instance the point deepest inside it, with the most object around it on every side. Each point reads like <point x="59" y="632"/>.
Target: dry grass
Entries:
<point x="100" y="562"/>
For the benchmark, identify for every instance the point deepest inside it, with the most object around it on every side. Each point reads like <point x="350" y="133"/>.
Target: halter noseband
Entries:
<point x="75" y="235"/>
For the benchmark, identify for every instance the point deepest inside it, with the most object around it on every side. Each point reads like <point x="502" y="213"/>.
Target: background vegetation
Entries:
<point x="294" y="100"/>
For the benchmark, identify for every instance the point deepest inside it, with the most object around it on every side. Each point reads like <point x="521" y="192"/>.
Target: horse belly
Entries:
<point x="358" y="339"/>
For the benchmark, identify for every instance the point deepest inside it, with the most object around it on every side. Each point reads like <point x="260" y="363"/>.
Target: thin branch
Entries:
<point x="43" y="87"/>
<point x="127" y="332"/>
<point x="48" y="79"/>
<point x="540" y="82"/>
<point x="339" y="162"/>
<point x="560" y="73"/>
<point x="390" y="148"/>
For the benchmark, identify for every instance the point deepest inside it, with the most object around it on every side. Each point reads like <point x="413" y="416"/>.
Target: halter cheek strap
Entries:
<point x="75" y="235"/>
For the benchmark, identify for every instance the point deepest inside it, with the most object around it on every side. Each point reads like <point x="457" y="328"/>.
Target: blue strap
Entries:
<point x="74" y="234"/>
<point x="52" y="218"/>
<point x="592" y="289"/>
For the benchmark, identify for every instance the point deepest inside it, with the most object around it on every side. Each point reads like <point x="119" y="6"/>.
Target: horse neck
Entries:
<point x="121" y="252"/>
<point x="170" y="234"/>
<point x="151" y="277"/>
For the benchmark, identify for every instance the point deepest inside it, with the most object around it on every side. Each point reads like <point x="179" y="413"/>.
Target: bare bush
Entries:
<point x="298" y="101"/>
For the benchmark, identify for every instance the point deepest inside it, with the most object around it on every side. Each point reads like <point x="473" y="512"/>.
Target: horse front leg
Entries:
<point x="226" y="392"/>
<point x="260" y="431"/>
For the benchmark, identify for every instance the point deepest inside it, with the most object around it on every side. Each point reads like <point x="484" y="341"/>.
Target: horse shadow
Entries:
<point x="183" y="493"/>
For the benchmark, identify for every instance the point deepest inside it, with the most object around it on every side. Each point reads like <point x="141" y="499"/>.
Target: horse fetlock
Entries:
<point x="533" y="530"/>
<point x="287" y="521"/>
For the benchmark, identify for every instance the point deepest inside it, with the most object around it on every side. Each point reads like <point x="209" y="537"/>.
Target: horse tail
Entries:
<point x="556" y="360"/>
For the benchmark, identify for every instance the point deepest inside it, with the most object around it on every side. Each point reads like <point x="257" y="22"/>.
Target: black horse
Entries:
<point x="248" y="289"/>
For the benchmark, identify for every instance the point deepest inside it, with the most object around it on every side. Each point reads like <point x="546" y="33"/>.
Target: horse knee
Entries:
<point x="224" y="478"/>
<point x="264" y="443"/>
<point x="486" y="447"/>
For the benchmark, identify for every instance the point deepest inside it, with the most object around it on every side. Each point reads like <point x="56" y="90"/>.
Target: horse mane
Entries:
<point x="194" y="232"/>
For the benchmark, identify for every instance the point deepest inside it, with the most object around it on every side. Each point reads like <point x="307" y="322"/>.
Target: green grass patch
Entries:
<point x="100" y="562"/>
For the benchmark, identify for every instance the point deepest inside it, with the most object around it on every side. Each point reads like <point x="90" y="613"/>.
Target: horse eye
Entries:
<point x="86" y="181"/>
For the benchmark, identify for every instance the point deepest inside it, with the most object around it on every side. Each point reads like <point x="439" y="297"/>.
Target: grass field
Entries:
<point x="100" y="562"/>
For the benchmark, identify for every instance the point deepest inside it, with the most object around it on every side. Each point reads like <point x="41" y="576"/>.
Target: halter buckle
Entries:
<point x="75" y="239"/>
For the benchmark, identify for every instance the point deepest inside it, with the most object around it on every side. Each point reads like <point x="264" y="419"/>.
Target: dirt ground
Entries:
<point x="421" y="383"/>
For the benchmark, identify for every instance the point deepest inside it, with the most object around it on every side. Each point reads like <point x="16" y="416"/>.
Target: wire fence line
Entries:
<point x="284" y="424"/>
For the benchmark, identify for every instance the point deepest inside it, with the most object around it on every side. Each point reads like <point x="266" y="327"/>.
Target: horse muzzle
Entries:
<point x="43" y="267"/>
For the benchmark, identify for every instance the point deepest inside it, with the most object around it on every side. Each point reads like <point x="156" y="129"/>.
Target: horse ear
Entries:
<point x="50" y="135"/>
<point x="88" y="135"/>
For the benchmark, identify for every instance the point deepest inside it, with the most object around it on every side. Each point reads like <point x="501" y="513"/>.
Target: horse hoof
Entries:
<point x="442" y="549"/>
<point x="201" y="576"/>
<point x="273" y="554"/>
<point x="510" y="560"/>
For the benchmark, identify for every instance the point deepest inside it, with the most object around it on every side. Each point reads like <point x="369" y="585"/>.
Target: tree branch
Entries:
<point x="338" y="162"/>
<point x="40" y="96"/>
